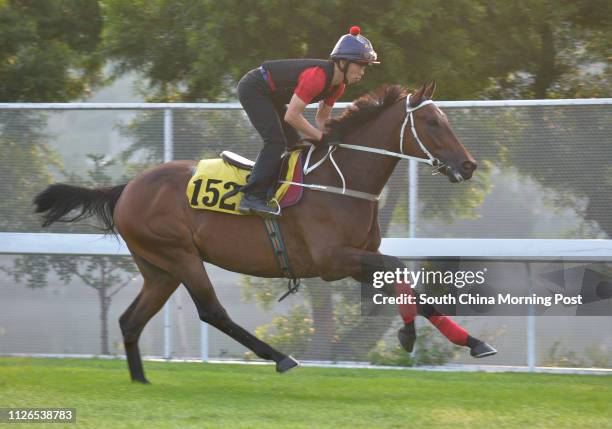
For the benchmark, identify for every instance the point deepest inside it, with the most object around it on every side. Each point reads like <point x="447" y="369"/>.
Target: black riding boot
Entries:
<point x="263" y="177"/>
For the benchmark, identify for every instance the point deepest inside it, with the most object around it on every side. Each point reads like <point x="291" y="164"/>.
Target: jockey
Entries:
<point x="274" y="97"/>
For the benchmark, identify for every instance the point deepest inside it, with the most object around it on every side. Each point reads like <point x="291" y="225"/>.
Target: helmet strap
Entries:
<point x="344" y="70"/>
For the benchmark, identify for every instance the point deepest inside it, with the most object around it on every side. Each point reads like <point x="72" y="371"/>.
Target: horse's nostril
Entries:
<point x="469" y="166"/>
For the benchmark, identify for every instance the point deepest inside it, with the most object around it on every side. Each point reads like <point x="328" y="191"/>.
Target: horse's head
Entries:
<point x="438" y="143"/>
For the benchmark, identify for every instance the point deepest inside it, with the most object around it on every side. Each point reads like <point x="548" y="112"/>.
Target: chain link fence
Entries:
<point x="543" y="173"/>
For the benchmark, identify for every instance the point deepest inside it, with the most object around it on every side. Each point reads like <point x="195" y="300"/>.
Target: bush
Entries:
<point x="430" y="349"/>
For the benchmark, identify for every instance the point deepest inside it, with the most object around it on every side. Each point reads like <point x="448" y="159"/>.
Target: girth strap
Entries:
<point x="280" y="253"/>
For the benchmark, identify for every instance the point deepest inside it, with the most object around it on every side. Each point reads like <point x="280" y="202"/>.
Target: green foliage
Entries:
<point x="27" y="162"/>
<point x="559" y="357"/>
<point x="47" y="53"/>
<point x="547" y="49"/>
<point x="450" y="202"/>
<point x="197" y="135"/>
<point x="97" y="272"/>
<point x="291" y="332"/>
<point x="430" y="349"/>
<point x="600" y="356"/>
<point x="474" y="48"/>
<point x="264" y="292"/>
<point x="596" y="356"/>
<point x="49" y="49"/>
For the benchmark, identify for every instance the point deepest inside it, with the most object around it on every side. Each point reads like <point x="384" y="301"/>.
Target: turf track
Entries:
<point x="195" y="395"/>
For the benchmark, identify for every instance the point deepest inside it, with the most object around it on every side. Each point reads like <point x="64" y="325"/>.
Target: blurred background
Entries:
<point x="543" y="170"/>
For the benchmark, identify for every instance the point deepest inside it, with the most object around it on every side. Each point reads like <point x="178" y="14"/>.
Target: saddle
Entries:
<point x="246" y="164"/>
<point x="216" y="182"/>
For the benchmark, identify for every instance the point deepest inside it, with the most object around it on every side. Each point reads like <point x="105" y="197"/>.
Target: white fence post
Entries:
<point x="204" y="341"/>
<point x="413" y="196"/>
<point x="531" y="334"/>
<point x="168" y="150"/>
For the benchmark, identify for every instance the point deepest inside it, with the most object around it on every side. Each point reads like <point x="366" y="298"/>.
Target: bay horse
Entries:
<point x="327" y="235"/>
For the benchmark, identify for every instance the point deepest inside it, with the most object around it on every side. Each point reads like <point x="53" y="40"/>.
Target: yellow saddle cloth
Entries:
<point x="214" y="179"/>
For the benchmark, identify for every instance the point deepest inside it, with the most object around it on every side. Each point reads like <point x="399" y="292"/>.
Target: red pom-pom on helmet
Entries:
<point x="355" y="30"/>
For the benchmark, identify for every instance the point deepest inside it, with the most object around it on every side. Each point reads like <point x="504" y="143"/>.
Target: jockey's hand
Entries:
<point x="330" y="139"/>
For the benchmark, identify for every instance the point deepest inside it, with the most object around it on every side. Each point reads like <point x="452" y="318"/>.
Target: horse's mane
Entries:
<point x="366" y="108"/>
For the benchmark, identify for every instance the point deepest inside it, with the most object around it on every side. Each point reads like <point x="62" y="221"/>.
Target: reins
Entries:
<point x="430" y="160"/>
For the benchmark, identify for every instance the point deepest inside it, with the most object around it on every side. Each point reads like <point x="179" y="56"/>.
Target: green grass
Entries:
<point x="186" y="395"/>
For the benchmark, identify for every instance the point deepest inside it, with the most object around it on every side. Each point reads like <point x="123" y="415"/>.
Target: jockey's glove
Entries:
<point x="330" y="139"/>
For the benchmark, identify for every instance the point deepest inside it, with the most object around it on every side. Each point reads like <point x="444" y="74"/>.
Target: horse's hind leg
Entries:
<point x="157" y="288"/>
<point x="362" y="265"/>
<point x="211" y="311"/>
<point x="455" y="333"/>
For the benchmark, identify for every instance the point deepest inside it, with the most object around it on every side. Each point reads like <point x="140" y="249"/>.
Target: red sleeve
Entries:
<point x="310" y="84"/>
<point x="336" y="95"/>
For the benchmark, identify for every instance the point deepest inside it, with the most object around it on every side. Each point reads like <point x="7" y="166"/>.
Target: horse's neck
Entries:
<point x="369" y="172"/>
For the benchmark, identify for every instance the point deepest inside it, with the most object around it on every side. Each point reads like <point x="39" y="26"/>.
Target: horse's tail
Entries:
<point x="60" y="199"/>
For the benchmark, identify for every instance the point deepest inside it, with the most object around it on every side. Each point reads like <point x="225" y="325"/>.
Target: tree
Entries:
<point x="49" y="49"/>
<point x="197" y="51"/>
<point x="547" y="49"/>
<point x="48" y="52"/>
<point x="27" y="161"/>
<point x="194" y="51"/>
<point x="107" y="275"/>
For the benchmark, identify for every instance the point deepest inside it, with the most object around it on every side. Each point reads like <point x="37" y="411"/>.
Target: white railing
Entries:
<point x="237" y="106"/>
<point x="407" y="248"/>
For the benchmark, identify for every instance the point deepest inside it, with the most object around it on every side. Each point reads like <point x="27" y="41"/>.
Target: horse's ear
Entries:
<point x="431" y="87"/>
<point x="415" y="99"/>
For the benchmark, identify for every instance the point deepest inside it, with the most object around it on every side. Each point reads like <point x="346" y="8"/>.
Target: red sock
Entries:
<point x="407" y="311"/>
<point x="450" y="329"/>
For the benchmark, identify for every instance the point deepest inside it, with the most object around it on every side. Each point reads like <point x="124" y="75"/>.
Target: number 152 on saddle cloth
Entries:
<point x="215" y="181"/>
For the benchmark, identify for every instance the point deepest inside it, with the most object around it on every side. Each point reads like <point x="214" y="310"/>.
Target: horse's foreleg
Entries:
<point x="157" y="288"/>
<point x="211" y="311"/>
<point x="363" y="266"/>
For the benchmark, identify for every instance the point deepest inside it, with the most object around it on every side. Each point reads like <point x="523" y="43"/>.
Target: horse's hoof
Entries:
<point x="140" y="380"/>
<point x="286" y="364"/>
<point x="407" y="337"/>
<point x="482" y="349"/>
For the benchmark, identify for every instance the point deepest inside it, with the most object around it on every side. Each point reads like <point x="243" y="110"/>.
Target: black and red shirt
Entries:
<point x="309" y="79"/>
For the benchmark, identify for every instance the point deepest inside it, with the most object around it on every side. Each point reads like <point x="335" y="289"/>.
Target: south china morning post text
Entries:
<point x="465" y="291"/>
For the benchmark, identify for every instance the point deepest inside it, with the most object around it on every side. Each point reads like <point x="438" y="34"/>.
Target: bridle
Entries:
<point x="431" y="160"/>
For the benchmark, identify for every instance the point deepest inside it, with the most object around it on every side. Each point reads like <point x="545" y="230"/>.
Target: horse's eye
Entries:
<point x="432" y="122"/>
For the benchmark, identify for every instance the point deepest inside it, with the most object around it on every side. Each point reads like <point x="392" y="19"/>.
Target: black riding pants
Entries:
<point x="267" y="116"/>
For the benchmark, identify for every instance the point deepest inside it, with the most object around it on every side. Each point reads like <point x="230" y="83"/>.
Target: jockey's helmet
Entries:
<point x="355" y="48"/>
